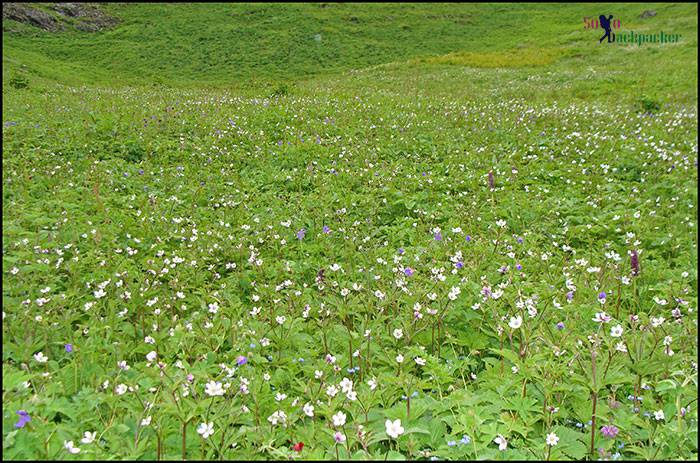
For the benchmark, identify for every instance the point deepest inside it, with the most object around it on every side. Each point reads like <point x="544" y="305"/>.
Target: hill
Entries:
<point x="248" y="45"/>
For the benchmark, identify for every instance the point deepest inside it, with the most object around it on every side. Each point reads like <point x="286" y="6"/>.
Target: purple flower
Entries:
<point x="326" y="229"/>
<point x="401" y="251"/>
<point x="602" y="295"/>
<point x="408" y="271"/>
<point x="24" y="418"/>
<point x="560" y="326"/>
<point x="468" y="238"/>
<point x="438" y="236"/>
<point x="634" y="262"/>
<point x="451" y="443"/>
<point x="301" y="233"/>
<point x="609" y="431"/>
<point x="519" y="267"/>
<point x="570" y="296"/>
<point x="241" y="360"/>
<point x="459" y="264"/>
<point x="69" y="348"/>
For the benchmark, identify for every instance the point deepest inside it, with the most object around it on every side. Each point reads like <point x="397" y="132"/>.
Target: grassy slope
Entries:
<point x="245" y="45"/>
<point x="412" y="152"/>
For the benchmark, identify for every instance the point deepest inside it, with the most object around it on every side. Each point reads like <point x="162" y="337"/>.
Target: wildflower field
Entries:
<point x="425" y="259"/>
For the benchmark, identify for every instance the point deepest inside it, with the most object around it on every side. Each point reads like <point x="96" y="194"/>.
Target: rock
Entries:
<point x="82" y="16"/>
<point x="89" y="18"/>
<point x="74" y="10"/>
<point x="25" y="13"/>
<point x="647" y="14"/>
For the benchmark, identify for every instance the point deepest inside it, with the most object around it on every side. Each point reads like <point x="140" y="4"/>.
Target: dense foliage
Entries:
<point x="378" y="265"/>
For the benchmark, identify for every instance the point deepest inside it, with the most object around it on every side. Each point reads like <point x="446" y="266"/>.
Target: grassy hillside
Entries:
<point x="345" y="231"/>
<point x="244" y="45"/>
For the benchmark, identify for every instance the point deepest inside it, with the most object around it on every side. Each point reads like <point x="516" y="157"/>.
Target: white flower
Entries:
<point x="372" y="384"/>
<point x="502" y="442"/>
<point x="601" y="317"/>
<point x="281" y="319"/>
<point x="339" y="419"/>
<point x="659" y="415"/>
<point x="346" y="385"/>
<point x="121" y="389"/>
<point x="151" y="356"/>
<point x="206" y="429"/>
<point x="552" y="439"/>
<point x="279" y="397"/>
<point x="214" y="388"/>
<point x="515" y="322"/>
<point x="308" y="409"/>
<point x="88" y="437"/>
<point x="69" y="446"/>
<point x="394" y="428"/>
<point x="399" y="358"/>
<point x="454" y="292"/>
<point x="40" y="357"/>
<point x="616" y="331"/>
<point x="277" y="417"/>
<point x="398" y="333"/>
<point x="331" y="391"/>
<point x="420" y="361"/>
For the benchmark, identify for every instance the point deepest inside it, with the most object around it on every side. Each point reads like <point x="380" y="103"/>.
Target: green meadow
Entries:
<point x="330" y="231"/>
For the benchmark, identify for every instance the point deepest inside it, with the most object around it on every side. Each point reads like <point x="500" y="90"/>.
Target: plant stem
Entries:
<point x="595" y="401"/>
<point x="184" y="441"/>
